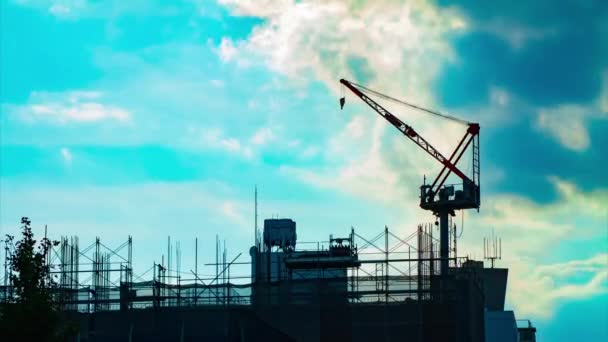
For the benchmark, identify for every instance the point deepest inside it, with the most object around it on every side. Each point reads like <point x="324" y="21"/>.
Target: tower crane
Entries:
<point x="437" y="197"/>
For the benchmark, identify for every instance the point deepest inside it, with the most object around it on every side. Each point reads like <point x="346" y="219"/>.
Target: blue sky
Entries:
<point x="153" y="118"/>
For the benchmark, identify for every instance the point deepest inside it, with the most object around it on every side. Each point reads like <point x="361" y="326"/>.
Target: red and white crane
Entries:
<point x="437" y="197"/>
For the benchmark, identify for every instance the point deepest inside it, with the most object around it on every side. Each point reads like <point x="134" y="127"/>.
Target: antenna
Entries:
<point x="255" y="225"/>
<point x="492" y="248"/>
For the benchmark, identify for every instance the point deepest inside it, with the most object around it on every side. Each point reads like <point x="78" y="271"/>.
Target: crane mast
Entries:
<point x="437" y="197"/>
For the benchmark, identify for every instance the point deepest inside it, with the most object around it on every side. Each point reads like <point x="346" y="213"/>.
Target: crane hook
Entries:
<point x="342" y="101"/>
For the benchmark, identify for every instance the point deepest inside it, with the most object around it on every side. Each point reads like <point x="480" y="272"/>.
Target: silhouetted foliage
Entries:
<point x="30" y="314"/>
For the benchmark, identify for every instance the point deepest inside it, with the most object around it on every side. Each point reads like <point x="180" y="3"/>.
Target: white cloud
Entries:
<point x="567" y="124"/>
<point x="515" y="34"/>
<point x="294" y="143"/>
<point x="214" y="138"/>
<point x="328" y="38"/>
<point x="360" y="168"/>
<point x="572" y="267"/>
<point x="263" y="136"/>
<point x="59" y="10"/>
<point x="74" y="9"/>
<point x="257" y="8"/>
<point x="63" y="9"/>
<point x="310" y="151"/>
<point x="603" y="101"/>
<point x="246" y="147"/>
<point x="499" y="97"/>
<point x="231" y="211"/>
<point x="226" y="50"/>
<point x="73" y="106"/>
<point x="66" y="155"/>
<point x="217" y="83"/>
<point x="535" y="290"/>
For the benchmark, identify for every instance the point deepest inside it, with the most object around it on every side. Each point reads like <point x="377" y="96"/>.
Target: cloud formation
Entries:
<point x="330" y="40"/>
<point x="536" y="290"/>
<point x="66" y="107"/>
<point x="569" y="123"/>
<point x="263" y="136"/>
<point x="566" y="124"/>
<point x="66" y="154"/>
<point x="75" y="9"/>
<point x="214" y="138"/>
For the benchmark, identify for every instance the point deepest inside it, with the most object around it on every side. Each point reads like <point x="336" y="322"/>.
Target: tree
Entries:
<point x="31" y="314"/>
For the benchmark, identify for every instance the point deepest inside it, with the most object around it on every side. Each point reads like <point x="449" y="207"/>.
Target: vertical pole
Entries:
<point x="130" y="262"/>
<point x="432" y="253"/>
<point x="130" y="274"/>
<point x="385" y="282"/>
<point x="409" y="266"/>
<point x="484" y="247"/>
<point x="72" y="271"/>
<point x="97" y="276"/>
<point x="499" y="248"/>
<point x="77" y="260"/>
<point x="228" y="277"/>
<point x="217" y="258"/>
<point x="217" y="263"/>
<point x="419" y="282"/>
<point x="455" y="250"/>
<point x="255" y="224"/>
<point x="5" y="270"/>
<point x="195" y="271"/>
<point x="163" y="285"/>
<point x="223" y="271"/>
<point x="444" y="252"/>
<point x="154" y="284"/>
<point x="46" y="260"/>
<point x="386" y="263"/>
<point x="418" y="264"/>
<point x="169" y="254"/>
<point x="178" y="267"/>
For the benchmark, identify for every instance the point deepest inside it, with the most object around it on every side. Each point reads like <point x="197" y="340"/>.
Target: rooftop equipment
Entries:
<point x="280" y="233"/>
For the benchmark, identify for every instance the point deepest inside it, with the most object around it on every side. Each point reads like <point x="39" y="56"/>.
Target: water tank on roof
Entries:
<point x="280" y="232"/>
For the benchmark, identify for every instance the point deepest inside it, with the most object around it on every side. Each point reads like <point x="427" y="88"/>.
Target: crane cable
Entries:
<point x="386" y="97"/>
<point x="461" y="224"/>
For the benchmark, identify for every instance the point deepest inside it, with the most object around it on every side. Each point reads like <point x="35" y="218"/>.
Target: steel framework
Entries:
<point x="97" y="278"/>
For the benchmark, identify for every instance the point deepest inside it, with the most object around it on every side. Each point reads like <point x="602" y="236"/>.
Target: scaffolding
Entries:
<point x="388" y="268"/>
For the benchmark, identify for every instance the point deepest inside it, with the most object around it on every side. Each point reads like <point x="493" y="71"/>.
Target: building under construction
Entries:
<point x="349" y="288"/>
<point x="346" y="288"/>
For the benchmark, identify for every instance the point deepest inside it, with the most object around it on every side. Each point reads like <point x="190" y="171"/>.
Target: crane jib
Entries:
<point x="408" y="131"/>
